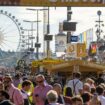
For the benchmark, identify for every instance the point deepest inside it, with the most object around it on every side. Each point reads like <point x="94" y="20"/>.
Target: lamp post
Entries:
<point x="32" y="37"/>
<point x="28" y="38"/>
<point x="69" y="13"/>
<point x="99" y="25"/>
<point x="37" y="44"/>
<point x="98" y="32"/>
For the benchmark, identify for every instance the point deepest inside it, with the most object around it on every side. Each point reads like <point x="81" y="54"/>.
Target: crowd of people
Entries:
<point x="20" y="90"/>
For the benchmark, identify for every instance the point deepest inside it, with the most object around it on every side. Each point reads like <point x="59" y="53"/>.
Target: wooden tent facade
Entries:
<point x="69" y="67"/>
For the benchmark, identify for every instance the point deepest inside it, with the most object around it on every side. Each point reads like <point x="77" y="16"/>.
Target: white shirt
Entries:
<point x="62" y="99"/>
<point x="102" y="99"/>
<point x="79" y="85"/>
<point x="24" y="94"/>
<point x="55" y="104"/>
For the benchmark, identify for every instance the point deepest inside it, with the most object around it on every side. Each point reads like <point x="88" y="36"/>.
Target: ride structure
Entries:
<point x="11" y="36"/>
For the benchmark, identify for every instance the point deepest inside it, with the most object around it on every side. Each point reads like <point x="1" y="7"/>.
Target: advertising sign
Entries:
<point x="81" y="50"/>
<point x="71" y="50"/>
<point x="60" y="43"/>
<point x="76" y="50"/>
<point x="93" y="48"/>
<point x="53" y="2"/>
<point x="74" y="39"/>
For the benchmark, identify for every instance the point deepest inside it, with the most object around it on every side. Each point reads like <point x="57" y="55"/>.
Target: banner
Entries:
<point x="81" y="50"/>
<point x="84" y="37"/>
<point x="76" y="50"/>
<point x="60" y="43"/>
<point x="53" y="2"/>
<point x="93" y="48"/>
<point x="80" y="38"/>
<point x="71" y="50"/>
<point x="89" y="37"/>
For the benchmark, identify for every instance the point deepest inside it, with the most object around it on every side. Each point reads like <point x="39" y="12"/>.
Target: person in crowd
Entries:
<point x="4" y="98"/>
<point x="1" y="86"/>
<point x="76" y="100"/>
<point x="26" y="87"/>
<point x="86" y="96"/>
<point x="30" y="91"/>
<point x="100" y="91"/>
<point x="93" y="90"/>
<point x="95" y="100"/>
<point x="17" y="80"/>
<point x="75" y="84"/>
<point x="65" y="86"/>
<point x="86" y="88"/>
<point x="61" y="99"/>
<point x="68" y="92"/>
<point x="40" y="91"/>
<point x="100" y="79"/>
<point x="52" y="98"/>
<point x="103" y="85"/>
<point x="14" y="93"/>
<point x="1" y="77"/>
<point x="90" y="82"/>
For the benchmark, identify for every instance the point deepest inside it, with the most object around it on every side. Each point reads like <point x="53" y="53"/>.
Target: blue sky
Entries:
<point x="84" y="16"/>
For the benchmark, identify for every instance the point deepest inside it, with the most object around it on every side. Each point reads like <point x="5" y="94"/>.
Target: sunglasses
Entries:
<point x="39" y="81"/>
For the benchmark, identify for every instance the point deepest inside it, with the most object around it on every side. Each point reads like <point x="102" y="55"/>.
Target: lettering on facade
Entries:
<point x="52" y="2"/>
<point x="82" y="1"/>
<point x="10" y="2"/>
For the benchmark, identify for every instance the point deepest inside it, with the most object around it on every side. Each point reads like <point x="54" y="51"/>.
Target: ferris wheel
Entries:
<point x="11" y="35"/>
<point x="11" y="38"/>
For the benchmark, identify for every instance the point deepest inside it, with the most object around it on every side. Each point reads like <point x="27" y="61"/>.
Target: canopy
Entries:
<point x="83" y="66"/>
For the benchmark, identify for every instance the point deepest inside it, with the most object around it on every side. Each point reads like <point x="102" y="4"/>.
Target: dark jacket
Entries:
<point x="67" y="100"/>
<point x="6" y="102"/>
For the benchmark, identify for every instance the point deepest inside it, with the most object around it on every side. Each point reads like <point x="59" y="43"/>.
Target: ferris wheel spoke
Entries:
<point x="10" y="31"/>
<point x="7" y="45"/>
<point x="6" y="40"/>
<point x="8" y="36"/>
<point x="8" y="26"/>
<point x="3" y="47"/>
<point x="3" y="23"/>
<point x="5" y="19"/>
<point x="2" y="30"/>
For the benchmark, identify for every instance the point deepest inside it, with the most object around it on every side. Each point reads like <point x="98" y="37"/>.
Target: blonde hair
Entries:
<point x="52" y="96"/>
<point x="95" y="101"/>
<point x="90" y="80"/>
<point x="40" y="76"/>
